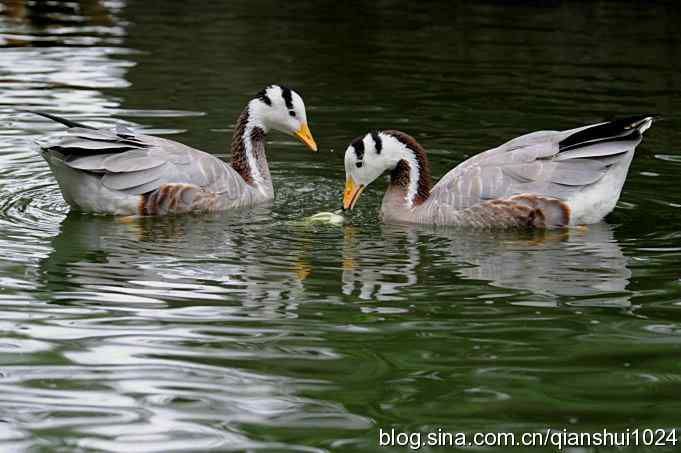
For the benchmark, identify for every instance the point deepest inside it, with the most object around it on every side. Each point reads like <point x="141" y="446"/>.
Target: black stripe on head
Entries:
<point x="378" y="143"/>
<point x="358" y="144"/>
<point x="288" y="97"/>
<point x="262" y="95"/>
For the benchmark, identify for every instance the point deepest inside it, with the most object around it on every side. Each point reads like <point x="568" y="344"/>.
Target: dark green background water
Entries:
<point x="251" y="331"/>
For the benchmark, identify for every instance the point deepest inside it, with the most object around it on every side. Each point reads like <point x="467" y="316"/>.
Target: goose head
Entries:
<point x="282" y="109"/>
<point x="371" y="155"/>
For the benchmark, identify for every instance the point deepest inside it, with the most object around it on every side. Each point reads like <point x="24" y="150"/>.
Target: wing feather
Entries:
<point x="129" y="180"/>
<point x="133" y="160"/>
<point x="138" y="164"/>
<point x="92" y="162"/>
<point x="552" y="163"/>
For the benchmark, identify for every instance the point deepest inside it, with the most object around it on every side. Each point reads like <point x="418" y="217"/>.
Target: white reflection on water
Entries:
<point x="156" y="260"/>
<point x="582" y="266"/>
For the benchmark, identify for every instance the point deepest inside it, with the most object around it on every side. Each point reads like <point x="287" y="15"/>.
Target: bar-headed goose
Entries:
<point x="542" y="179"/>
<point x="121" y="172"/>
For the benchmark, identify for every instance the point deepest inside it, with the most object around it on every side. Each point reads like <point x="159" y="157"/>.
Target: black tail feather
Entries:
<point x="58" y="119"/>
<point x="619" y="129"/>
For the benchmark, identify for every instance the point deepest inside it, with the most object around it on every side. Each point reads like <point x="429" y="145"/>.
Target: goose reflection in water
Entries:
<point x="186" y="309"/>
<point x="244" y="257"/>
<point x="584" y="267"/>
<point x="226" y="257"/>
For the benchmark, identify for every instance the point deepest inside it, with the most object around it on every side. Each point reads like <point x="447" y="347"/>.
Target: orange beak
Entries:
<point x="351" y="194"/>
<point x="305" y="136"/>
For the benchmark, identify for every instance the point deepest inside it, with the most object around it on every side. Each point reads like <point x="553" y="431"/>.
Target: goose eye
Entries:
<point x="359" y="164"/>
<point x="292" y="113"/>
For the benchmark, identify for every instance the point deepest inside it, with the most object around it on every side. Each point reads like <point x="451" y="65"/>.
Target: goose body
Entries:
<point x="541" y="179"/>
<point x="121" y="172"/>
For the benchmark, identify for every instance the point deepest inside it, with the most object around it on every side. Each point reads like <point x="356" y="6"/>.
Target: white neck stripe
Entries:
<point x="406" y="154"/>
<point x="251" y="124"/>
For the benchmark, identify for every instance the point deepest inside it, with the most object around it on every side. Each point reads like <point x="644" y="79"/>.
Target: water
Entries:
<point x="252" y="331"/>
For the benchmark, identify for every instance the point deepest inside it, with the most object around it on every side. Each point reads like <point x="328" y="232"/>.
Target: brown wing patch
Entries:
<point x="556" y="213"/>
<point x="519" y="211"/>
<point x="508" y="213"/>
<point x="172" y="199"/>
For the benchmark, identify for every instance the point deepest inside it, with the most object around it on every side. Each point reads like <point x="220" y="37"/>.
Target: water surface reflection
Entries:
<point x="184" y="258"/>
<point x="251" y="330"/>
<point x="579" y="266"/>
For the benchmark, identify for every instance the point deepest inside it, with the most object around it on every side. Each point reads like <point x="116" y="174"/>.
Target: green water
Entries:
<point x="252" y="332"/>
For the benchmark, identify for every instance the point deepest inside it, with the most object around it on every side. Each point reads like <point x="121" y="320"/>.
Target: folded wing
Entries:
<point x="551" y="163"/>
<point x="137" y="164"/>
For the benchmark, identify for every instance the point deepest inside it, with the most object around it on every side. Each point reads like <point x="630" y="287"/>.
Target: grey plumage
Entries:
<point x="534" y="163"/>
<point x="129" y="164"/>
<point x="566" y="177"/>
<point x="119" y="171"/>
<point x="138" y="164"/>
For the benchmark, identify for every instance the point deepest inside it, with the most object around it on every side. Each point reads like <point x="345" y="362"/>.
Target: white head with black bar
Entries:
<point x="280" y="108"/>
<point x="371" y="155"/>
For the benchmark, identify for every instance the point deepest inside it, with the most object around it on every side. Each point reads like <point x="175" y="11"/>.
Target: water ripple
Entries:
<point x="256" y="331"/>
